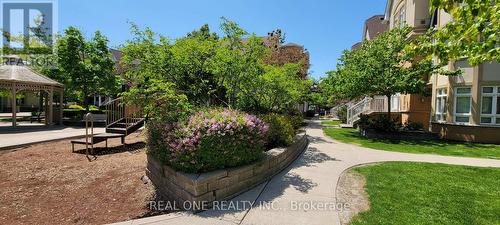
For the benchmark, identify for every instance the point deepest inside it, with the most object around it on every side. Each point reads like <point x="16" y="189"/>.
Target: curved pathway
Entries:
<point x="304" y="193"/>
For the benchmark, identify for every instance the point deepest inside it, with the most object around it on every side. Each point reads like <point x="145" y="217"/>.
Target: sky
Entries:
<point x="323" y="27"/>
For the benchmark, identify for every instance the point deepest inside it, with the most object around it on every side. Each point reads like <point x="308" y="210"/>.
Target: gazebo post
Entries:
<point x="51" y="108"/>
<point x="61" y="107"/>
<point x="46" y="108"/>
<point x="14" y="106"/>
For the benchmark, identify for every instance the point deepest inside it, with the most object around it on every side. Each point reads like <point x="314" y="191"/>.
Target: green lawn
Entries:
<point x="331" y="122"/>
<point x="438" y="147"/>
<point x="423" y="193"/>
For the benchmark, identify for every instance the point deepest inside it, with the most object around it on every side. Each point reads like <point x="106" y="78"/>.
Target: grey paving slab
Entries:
<point x="24" y="136"/>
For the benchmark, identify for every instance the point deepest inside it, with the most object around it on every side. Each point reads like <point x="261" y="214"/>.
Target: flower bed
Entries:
<point x="210" y="140"/>
<point x="218" y="153"/>
<point x="201" y="189"/>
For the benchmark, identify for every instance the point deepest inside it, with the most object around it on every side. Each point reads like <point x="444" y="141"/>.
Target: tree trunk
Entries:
<point x="389" y="106"/>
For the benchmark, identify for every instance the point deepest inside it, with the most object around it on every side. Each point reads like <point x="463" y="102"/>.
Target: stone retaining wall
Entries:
<point x="221" y="184"/>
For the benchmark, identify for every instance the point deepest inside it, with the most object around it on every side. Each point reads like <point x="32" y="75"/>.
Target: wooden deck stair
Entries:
<point x="120" y="121"/>
<point x="116" y="130"/>
<point x="125" y="126"/>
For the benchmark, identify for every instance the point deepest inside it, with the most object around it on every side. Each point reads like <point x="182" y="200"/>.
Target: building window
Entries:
<point x="402" y="17"/>
<point x="399" y="16"/>
<point x="441" y="100"/>
<point x="490" y="105"/>
<point x="395" y="103"/>
<point x="463" y="101"/>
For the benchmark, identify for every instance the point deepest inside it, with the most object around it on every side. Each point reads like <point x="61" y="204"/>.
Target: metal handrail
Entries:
<point x="116" y="111"/>
<point x="89" y="117"/>
<point x="366" y="106"/>
<point x="359" y="108"/>
<point x="109" y="100"/>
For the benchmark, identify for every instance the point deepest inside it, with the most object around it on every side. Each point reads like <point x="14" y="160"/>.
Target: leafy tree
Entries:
<point x="235" y="62"/>
<point x="203" y="33"/>
<point x="201" y="70"/>
<point x="236" y="66"/>
<point x="316" y="94"/>
<point x="330" y="90"/>
<point x="251" y="84"/>
<point x="191" y="75"/>
<point x="279" y="88"/>
<point x="151" y="58"/>
<point x="381" y="67"/>
<point x="86" y="67"/>
<point x="473" y="32"/>
<point x="148" y="63"/>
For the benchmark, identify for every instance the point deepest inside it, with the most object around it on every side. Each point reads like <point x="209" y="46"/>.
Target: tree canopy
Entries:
<point x="380" y="67"/>
<point x="85" y="66"/>
<point x="472" y="33"/>
<point x="252" y="84"/>
<point x="201" y="70"/>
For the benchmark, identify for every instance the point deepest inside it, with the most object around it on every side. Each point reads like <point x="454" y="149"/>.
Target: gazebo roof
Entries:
<point x="23" y="74"/>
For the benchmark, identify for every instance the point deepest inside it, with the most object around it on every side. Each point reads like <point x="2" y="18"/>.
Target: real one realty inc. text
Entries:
<point x="245" y="205"/>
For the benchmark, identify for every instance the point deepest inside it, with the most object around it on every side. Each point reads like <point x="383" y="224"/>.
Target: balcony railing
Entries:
<point x="370" y="105"/>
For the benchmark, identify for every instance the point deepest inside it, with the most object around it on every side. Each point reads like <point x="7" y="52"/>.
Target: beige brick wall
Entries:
<point x="480" y="134"/>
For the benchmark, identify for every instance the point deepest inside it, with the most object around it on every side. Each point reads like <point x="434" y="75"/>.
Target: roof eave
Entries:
<point x="32" y="83"/>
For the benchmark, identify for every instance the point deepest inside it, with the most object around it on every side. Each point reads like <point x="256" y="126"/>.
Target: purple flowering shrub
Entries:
<point x="208" y="140"/>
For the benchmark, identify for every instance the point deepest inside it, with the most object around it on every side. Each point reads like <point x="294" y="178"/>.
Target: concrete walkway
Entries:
<point x="304" y="193"/>
<point x="12" y="137"/>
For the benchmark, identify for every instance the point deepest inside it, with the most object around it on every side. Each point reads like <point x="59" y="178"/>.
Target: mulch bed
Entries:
<point x="48" y="184"/>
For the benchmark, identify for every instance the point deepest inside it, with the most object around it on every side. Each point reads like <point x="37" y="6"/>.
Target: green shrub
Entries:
<point x="76" y="107"/>
<point x="297" y="119"/>
<point x="207" y="141"/>
<point x="73" y="114"/>
<point x="342" y="114"/>
<point x="413" y="126"/>
<point x="381" y="123"/>
<point x="281" y="131"/>
<point x="93" y="108"/>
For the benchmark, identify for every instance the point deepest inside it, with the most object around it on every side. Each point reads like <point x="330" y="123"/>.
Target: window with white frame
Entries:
<point x="490" y="105"/>
<point x="463" y="102"/>
<point x="441" y="106"/>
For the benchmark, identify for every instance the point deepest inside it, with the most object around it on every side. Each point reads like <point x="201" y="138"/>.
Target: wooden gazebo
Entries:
<point x="16" y="77"/>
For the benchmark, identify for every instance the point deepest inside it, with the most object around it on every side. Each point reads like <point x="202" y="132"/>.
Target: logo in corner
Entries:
<point x="28" y="26"/>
